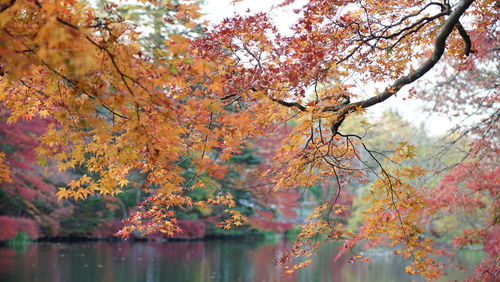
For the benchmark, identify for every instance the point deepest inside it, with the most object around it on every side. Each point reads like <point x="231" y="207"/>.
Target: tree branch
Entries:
<point x="5" y="6"/>
<point x="439" y="47"/>
<point x="466" y="38"/>
<point x="289" y="104"/>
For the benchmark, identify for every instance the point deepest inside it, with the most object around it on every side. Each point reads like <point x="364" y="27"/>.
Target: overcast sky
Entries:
<point x="216" y="10"/>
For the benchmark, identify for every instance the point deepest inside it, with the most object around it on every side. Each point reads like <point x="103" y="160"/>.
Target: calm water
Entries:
<point x="187" y="261"/>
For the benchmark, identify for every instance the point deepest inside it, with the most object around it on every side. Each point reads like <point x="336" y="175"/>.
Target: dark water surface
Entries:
<point x="211" y="260"/>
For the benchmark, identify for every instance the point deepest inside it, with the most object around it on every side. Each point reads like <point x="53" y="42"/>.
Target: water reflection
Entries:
<point x="184" y="261"/>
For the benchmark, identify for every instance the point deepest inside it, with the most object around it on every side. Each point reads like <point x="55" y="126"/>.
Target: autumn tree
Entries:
<point x="116" y="111"/>
<point x="468" y="190"/>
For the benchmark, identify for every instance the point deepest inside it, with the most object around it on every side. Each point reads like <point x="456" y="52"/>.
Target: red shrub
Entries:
<point x="28" y="226"/>
<point x="108" y="229"/>
<point x="7" y="228"/>
<point x="191" y="229"/>
<point x="266" y="221"/>
<point x="10" y="226"/>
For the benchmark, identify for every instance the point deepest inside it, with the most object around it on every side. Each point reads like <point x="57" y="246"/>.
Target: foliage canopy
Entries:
<point x="117" y="108"/>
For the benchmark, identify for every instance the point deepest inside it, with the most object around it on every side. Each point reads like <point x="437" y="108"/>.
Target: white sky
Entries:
<point x="216" y="10"/>
<point x="411" y="110"/>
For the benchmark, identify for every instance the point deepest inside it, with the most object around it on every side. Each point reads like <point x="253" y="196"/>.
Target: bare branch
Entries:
<point x="466" y="38"/>
<point x="5" y="6"/>
<point x="289" y="104"/>
<point x="439" y="47"/>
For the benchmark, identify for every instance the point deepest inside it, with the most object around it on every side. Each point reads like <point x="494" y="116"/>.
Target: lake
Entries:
<point x="211" y="260"/>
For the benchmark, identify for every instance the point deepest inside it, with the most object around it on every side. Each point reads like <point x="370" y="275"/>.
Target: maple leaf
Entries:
<point x="63" y="193"/>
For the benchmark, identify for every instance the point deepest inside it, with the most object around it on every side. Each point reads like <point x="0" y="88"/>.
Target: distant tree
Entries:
<point x="468" y="192"/>
<point x="29" y="194"/>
